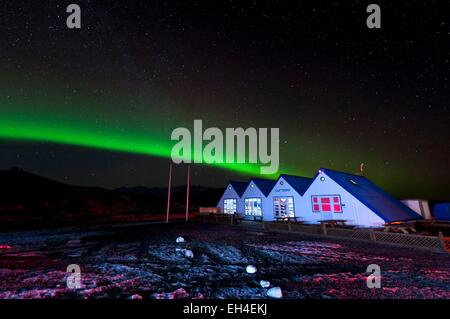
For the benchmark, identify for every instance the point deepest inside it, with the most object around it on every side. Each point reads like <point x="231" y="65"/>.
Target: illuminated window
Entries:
<point x="229" y="206"/>
<point x="253" y="207"/>
<point x="337" y="204"/>
<point x="326" y="204"/>
<point x="283" y="206"/>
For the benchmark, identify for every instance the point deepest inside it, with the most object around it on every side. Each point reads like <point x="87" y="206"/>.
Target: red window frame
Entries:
<point x="327" y="204"/>
<point x="315" y="204"/>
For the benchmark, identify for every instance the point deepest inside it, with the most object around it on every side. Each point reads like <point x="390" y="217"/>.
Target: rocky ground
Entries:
<point x="146" y="262"/>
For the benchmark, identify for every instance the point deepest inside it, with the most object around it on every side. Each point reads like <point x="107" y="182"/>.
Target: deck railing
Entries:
<point x="435" y="243"/>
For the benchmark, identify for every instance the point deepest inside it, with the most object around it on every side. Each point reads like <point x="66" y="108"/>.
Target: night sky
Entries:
<point x="97" y="106"/>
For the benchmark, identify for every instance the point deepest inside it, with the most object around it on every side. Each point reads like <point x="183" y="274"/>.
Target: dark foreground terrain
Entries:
<point x="145" y="262"/>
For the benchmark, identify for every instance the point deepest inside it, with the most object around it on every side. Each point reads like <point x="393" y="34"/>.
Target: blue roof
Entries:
<point x="299" y="183"/>
<point x="239" y="187"/>
<point x="264" y="185"/>
<point x="381" y="203"/>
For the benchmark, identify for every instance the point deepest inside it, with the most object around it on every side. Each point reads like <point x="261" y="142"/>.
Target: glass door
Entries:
<point x="283" y="207"/>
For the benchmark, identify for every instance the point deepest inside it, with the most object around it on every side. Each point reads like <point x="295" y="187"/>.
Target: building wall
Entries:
<point x="353" y="211"/>
<point x="230" y="193"/>
<point x="253" y="191"/>
<point x="420" y="206"/>
<point x="282" y="189"/>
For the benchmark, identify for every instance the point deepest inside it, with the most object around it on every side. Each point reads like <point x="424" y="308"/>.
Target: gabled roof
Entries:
<point x="239" y="187"/>
<point x="264" y="185"/>
<point x="299" y="183"/>
<point x="381" y="203"/>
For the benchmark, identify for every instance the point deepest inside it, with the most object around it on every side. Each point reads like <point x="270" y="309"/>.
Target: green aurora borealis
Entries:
<point x="33" y="119"/>
<point x="48" y="127"/>
<point x="97" y="106"/>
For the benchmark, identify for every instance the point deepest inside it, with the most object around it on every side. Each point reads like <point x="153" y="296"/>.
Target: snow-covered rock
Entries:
<point x="264" y="283"/>
<point x="251" y="269"/>
<point x="180" y="240"/>
<point x="275" y="292"/>
<point x="189" y="254"/>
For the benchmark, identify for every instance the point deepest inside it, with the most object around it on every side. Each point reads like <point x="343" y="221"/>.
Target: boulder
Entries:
<point x="188" y="253"/>
<point x="275" y="292"/>
<point x="251" y="269"/>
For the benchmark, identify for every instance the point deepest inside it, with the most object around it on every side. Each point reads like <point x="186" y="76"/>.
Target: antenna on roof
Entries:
<point x="361" y="168"/>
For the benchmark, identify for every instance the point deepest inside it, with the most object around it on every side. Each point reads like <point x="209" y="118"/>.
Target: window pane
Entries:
<point x="229" y="206"/>
<point x="253" y="207"/>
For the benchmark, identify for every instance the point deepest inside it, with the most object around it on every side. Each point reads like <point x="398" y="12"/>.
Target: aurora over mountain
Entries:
<point x="97" y="106"/>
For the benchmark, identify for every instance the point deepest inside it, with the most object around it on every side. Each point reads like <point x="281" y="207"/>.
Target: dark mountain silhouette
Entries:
<point x="198" y="195"/>
<point x="27" y="199"/>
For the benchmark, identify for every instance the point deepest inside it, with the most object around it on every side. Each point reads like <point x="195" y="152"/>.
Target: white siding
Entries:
<point x="353" y="211"/>
<point x="230" y="193"/>
<point x="253" y="191"/>
<point x="420" y="206"/>
<point x="282" y="189"/>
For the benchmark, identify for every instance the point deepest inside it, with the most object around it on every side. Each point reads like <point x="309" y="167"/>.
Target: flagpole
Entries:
<point x="168" y="192"/>
<point x="187" y="191"/>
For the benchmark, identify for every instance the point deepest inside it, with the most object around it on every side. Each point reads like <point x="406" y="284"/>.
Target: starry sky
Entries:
<point x="96" y="106"/>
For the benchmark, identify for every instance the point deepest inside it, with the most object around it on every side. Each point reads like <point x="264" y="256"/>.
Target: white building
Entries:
<point x="420" y="206"/>
<point x="286" y="197"/>
<point x="340" y="196"/>
<point x="230" y="202"/>
<point x="330" y="195"/>
<point x="255" y="199"/>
